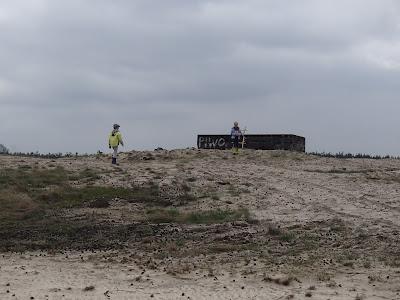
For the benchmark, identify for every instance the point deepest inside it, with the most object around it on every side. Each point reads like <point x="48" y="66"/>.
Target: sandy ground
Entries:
<point x="351" y="213"/>
<point x="58" y="277"/>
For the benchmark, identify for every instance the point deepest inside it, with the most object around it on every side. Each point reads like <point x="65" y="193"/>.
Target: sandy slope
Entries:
<point x="351" y="216"/>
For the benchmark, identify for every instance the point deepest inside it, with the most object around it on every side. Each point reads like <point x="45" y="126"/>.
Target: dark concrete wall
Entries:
<point x="254" y="141"/>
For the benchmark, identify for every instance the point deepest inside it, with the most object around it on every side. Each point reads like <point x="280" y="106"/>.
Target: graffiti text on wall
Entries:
<point x="211" y="142"/>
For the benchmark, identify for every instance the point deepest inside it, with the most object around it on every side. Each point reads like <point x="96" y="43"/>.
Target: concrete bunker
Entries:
<point x="253" y="141"/>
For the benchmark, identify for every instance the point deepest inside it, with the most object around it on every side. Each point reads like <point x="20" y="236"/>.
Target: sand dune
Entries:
<point x="305" y="227"/>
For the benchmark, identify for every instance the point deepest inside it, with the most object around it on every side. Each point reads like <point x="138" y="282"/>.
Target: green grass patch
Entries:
<point x="201" y="155"/>
<point x="296" y="158"/>
<point x="287" y="237"/>
<point x="26" y="178"/>
<point x="337" y="228"/>
<point x="211" y="192"/>
<point x="31" y="180"/>
<point x="89" y="175"/>
<point x="310" y="246"/>
<point x="67" y="196"/>
<point x="160" y="255"/>
<point x="394" y="179"/>
<point x="16" y="207"/>
<point x="180" y="243"/>
<point x="363" y="235"/>
<point x="32" y="202"/>
<point x="293" y="251"/>
<point x="279" y="155"/>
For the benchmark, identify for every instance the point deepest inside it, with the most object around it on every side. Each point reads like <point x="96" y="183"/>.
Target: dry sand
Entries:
<point x="314" y="233"/>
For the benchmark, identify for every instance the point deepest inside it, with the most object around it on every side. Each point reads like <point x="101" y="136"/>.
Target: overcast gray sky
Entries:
<point x="169" y="70"/>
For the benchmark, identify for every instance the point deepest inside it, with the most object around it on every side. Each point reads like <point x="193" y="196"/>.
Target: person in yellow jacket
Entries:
<point x="114" y="140"/>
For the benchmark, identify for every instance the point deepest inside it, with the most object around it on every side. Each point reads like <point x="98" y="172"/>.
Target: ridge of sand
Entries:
<point x="349" y="208"/>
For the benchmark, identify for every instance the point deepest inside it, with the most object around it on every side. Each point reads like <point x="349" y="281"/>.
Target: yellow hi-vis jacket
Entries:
<point x="115" y="139"/>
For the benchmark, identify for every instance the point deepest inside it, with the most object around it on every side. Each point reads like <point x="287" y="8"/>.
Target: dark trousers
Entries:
<point x="236" y="142"/>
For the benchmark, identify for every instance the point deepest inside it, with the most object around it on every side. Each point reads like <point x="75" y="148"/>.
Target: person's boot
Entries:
<point x="114" y="160"/>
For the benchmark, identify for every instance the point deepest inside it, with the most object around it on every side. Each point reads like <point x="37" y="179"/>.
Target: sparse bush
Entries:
<point x="4" y="149"/>
<point x="283" y="281"/>
<point x="185" y="187"/>
<point x="287" y="237"/>
<point x="274" y="231"/>
<point x="349" y="264"/>
<point x="367" y="264"/>
<point x="337" y="228"/>
<point x="180" y="243"/>
<point x="363" y="235"/>
<point x="349" y="155"/>
<point x="310" y="246"/>
<point x="89" y="175"/>
<point x="323" y="276"/>
<point x="17" y="206"/>
<point x="331" y="284"/>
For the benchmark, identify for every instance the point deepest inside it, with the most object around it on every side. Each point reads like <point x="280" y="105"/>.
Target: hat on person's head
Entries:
<point x="116" y="126"/>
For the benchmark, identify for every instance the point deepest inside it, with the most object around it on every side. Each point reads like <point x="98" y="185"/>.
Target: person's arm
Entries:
<point x="120" y="139"/>
<point x="109" y="142"/>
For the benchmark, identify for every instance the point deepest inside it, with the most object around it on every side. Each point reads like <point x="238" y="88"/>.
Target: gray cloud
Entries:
<point x="168" y="70"/>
